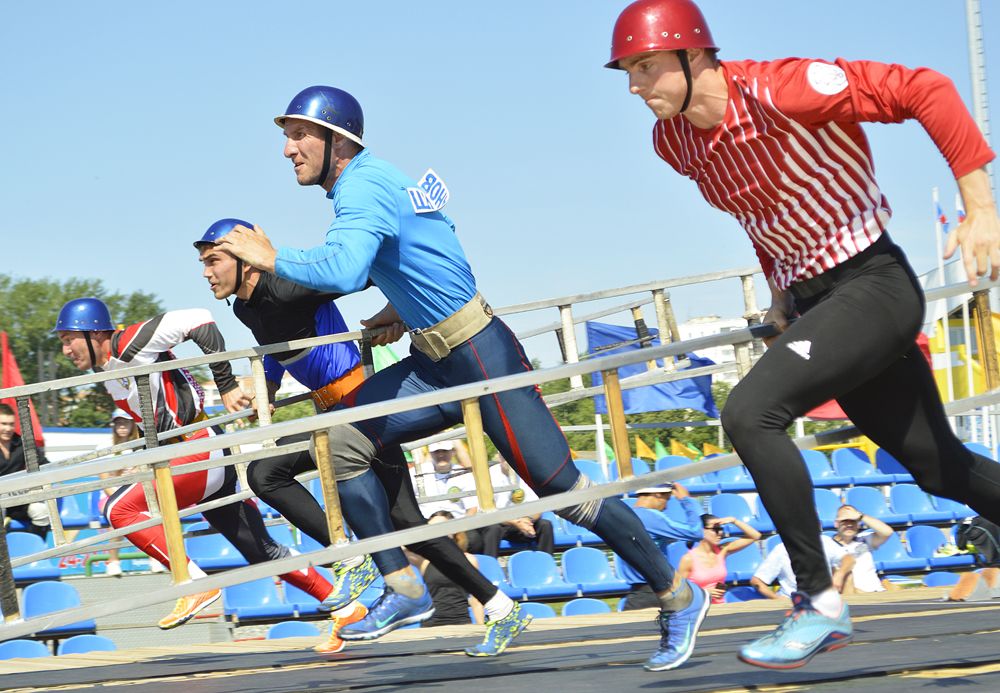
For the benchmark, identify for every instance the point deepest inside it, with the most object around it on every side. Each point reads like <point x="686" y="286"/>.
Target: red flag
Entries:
<point x="11" y="377"/>
<point x="832" y="411"/>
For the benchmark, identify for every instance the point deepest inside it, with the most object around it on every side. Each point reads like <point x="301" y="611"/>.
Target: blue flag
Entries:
<point x="692" y="393"/>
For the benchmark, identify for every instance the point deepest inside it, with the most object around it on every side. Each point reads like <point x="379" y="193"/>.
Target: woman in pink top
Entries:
<point x="705" y="563"/>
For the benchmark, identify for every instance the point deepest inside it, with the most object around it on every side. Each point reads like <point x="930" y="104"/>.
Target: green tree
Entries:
<point x="30" y="310"/>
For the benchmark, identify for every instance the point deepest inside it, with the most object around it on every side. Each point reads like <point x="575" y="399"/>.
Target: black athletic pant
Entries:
<point x="544" y="539"/>
<point x="273" y="479"/>
<point x="854" y="342"/>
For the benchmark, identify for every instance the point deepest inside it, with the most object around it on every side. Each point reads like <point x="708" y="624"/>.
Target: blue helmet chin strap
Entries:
<point x="327" y="156"/>
<point x="93" y="354"/>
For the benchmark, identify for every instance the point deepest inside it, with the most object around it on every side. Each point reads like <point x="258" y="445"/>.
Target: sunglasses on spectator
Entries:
<point x="715" y="528"/>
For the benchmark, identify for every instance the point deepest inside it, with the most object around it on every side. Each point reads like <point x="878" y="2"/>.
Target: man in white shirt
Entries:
<point x="850" y="552"/>
<point x="450" y="476"/>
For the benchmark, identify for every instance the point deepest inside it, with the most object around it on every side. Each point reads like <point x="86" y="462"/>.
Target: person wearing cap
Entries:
<point x="91" y="342"/>
<point x="650" y="506"/>
<point x="34" y="516"/>
<point x="390" y="229"/>
<point x="779" y="146"/>
<point x="277" y="310"/>
<point x="123" y="430"/>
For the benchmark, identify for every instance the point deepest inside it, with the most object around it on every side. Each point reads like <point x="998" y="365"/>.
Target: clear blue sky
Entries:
<point x="129" y="127"/>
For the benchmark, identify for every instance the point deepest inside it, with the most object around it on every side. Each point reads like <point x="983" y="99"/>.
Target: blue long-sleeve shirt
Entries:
<point x="663" y="530"/>
<point x="415" y="259"/>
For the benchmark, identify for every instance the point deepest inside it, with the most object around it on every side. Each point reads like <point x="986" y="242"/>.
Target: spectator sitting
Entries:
<point x="451" y="475"/>
<point x="451" y="602"/>
<point x="530" y="529"/>
<point x="34" y="516"/>
<point x="705" y="563"/>
<point x="123" y="430"/>
<point x="775" y="566"/>
<point x="850" y="552"/>
<point x="649" y="507"/>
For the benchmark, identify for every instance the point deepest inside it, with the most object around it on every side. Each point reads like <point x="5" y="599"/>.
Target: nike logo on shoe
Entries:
<point x="383" y="622"/>
<point x="801" y="348"/>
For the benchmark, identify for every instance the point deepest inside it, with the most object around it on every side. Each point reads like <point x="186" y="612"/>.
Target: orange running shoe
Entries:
<point x="334" y="644"/>
<point x="187" y="607"/>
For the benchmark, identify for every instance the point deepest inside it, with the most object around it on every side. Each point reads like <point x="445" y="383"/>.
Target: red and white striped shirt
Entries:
<point x="792" y="164"/>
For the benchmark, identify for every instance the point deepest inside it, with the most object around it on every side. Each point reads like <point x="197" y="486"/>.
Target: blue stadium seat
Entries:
<point x="827" y="503"/>
<point x="538" y="575"/>
<point x="538" y="610"/>
<point x="887" y="464"/>
<point x="589" y="569"/>
<point x="704" y="483"/>
<point x="257" y="599"/>
<point x="303" y="602"/>
<point x="771" y="542"/>
<point x="75" y="511"/>
<point x="24" y="544"/>
<point x="561" y="537"/>
<point x="676" y="551"/>
<point x="741" y="565"/>
<point x="764" y="523"/>
<point x="959" y="511"/>
<point x="922" y="541"/>
<point x="307" y="544"/>
<point x="584" y="537"/>
<point x="940" y="579"/>
<point x="820" y="471"/>
<point x="45" y="597"/>
<point x="981" y="449"/>
<point x="281" y="534"/>
<point x="854" y="464"/>
<point x="870" y="501"/>
<point x="292" y="629"/>
<point x="910" y="499"/>
<point x="492" y="571"/>
<point x="639" y="467"/>
<point x="584" y="606"/>
<point x="212" y="551"/>
<point x="734" y="480"/>
<point x="22" y="649"/>
<point x="730" y="504"/>
<point x="592" y="469"/>
<point x="892" y="556"/>
<point x="742" y="593"/>
<point x="81" y="644"/>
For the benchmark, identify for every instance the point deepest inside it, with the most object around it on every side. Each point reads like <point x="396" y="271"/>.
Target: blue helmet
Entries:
<point x="218" y="230"/>
<point x="84" y="315"/>
<point x="330" y="107"/>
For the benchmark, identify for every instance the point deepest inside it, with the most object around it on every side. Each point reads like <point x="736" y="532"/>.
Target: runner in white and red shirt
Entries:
<point x="90" y="340"/>
<point x="779" y="146"/>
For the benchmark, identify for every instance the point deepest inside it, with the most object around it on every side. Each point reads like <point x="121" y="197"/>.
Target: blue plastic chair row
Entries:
<point x="260" y="599"/>
<point x="535" y="574"/>
<point x="42" y="598"/>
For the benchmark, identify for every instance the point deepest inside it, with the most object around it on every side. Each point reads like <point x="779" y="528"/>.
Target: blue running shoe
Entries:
<point x="678" y="632"/>
<point x="349" y="583"/>
<point x="500" y="633"/>
<point x="801" y="636"/>
<point x="389" y="612"/>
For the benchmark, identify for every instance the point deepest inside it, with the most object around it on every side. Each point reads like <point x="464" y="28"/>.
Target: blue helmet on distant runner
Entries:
<point x="218" y="230"/>
<point x="84" y="315"/>
<point x="330" y="107"/>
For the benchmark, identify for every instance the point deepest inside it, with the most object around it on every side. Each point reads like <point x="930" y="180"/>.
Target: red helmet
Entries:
<point x="658" y="25"/>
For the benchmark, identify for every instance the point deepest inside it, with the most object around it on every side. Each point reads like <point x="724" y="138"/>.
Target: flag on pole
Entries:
<point x="642" y="450"/>
<point x="710" y="449"/>
<point x="678" y="448"/>
<point x="11" y="377"/>
<point x="942" y="219"/>
<point x="609" y="452"/>
<point x="959" y="208"/>
<point x="659" y="449"/>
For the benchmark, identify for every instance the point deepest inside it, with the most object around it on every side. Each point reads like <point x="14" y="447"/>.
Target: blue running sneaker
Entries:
<point x="389" y="612"/>
<point x="349" y="583"/>
<point x="500" y="633"/>
<point x="678" y="631"/>
<point x="801" y="636"/>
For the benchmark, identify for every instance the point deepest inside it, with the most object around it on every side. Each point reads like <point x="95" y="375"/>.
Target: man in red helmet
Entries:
<point x="779" y="146"/>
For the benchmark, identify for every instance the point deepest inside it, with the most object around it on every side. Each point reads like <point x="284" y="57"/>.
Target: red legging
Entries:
<point x="240" y="523"/>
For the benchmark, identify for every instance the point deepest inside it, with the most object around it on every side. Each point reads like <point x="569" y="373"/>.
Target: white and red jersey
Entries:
<point x="792" y="164"/>
<point x="178" y="398"/>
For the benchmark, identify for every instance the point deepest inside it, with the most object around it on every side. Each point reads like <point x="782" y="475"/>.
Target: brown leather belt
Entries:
<point x="330" y="394"/>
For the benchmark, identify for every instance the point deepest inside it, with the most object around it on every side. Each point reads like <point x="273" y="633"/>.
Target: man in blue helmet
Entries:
<point x="391" y="230"/>
<point x="277" y="310"/>
<point x="90" y="340"/>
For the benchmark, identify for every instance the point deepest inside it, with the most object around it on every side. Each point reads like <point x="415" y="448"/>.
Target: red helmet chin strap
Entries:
<point x="682" y="56"/>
